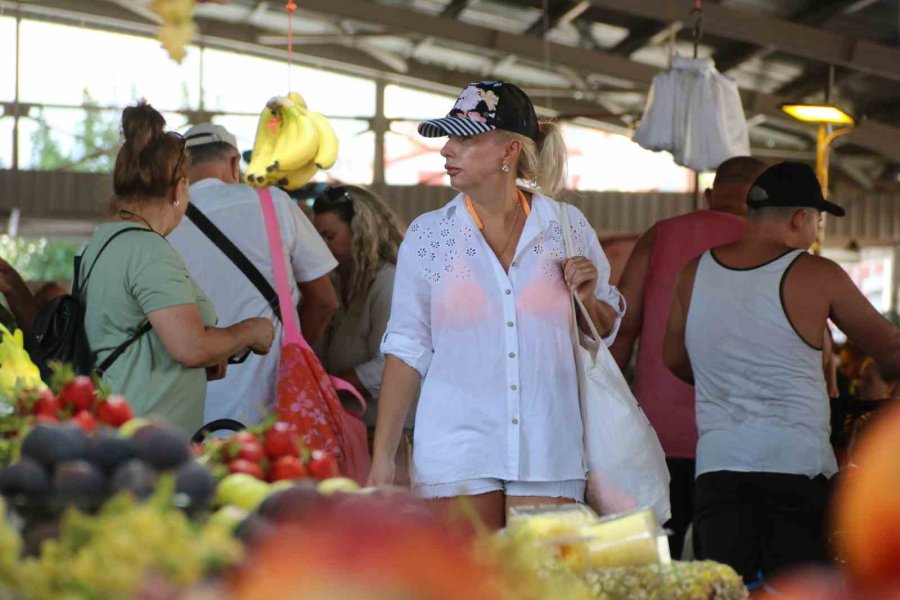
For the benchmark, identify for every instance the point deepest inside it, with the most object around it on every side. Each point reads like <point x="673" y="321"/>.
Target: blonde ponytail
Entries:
<point x="543" y="163"/>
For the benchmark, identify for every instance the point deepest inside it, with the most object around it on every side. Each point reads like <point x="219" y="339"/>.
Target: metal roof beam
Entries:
<point x="783" y="35"/>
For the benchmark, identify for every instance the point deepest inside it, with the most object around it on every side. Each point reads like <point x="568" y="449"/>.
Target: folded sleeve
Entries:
<point x="605" y="292"/>
<point x="408" y="334"/>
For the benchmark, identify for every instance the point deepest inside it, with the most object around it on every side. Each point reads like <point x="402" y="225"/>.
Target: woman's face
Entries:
<point x="475" y="160"/>
<point x="337" y="235"/>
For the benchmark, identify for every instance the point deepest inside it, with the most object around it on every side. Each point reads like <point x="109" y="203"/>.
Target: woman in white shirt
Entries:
<point x="481" y="318"/>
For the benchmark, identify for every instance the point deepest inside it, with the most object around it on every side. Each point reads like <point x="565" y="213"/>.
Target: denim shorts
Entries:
<point x="570" y="488"/>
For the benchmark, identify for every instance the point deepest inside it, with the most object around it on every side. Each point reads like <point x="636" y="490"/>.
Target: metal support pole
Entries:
<point x="16" y="108"/>
<point x="380" y="127"/>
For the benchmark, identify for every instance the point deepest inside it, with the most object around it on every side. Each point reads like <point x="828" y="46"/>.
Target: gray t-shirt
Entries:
<point x="353" y="340"/>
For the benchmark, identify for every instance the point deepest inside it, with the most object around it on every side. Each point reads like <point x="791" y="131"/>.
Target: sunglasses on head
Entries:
<point x="180" y="138"/>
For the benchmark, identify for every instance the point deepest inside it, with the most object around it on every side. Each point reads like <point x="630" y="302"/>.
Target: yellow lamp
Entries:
<point x="820" y="114"/>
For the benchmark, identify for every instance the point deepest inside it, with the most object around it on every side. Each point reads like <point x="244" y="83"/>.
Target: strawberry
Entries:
<point x="85" y="420"/>
<point x="281" y="441"/>
<point x="287" y="467"/>
<point x="323" y="465"/>
<point x="114" y="411"/>
<point x="78" y="394"/>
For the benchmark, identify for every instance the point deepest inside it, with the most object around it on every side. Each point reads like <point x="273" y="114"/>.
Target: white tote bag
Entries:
<point x="625" y="461"/>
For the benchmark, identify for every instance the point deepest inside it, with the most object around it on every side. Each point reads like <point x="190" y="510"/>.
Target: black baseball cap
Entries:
<point x="486" y="106"/>
<point x="790" y="184"/>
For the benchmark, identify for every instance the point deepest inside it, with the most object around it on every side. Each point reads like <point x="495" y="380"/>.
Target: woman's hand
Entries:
<point x="260" y="333"/>
<point x="382" y="473"/>
<point x="581" y="276"/>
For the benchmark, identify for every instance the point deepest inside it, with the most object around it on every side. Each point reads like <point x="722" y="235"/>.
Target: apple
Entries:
<point x="242" y="490"/>
<point x="228" y="517"/>
<point x="337" y="484"/>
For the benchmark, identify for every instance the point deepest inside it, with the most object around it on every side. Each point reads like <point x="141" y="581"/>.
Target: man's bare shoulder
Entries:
<point x="818" y="268"/>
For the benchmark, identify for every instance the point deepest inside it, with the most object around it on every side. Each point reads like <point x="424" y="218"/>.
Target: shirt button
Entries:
<point x="512" y="354"/>
<point x="509" y="323"/>
<point x="508" y="292"/>
<point x="513" y="264"/>
<point x="515" y="421"/>
<point x="513" y="387"/>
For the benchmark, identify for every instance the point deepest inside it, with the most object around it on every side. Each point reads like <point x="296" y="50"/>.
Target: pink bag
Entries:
<point x="306" y="396"/>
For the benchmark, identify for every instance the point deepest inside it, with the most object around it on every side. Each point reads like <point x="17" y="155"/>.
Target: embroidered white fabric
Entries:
<point x="499" y="395"/>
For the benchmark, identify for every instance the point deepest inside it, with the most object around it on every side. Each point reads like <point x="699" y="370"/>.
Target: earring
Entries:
<point x="176" y="203"/>
<point x="505" y="168"/>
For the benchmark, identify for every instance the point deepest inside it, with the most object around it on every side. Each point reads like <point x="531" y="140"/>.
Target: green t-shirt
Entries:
<point x="138" y="273"/>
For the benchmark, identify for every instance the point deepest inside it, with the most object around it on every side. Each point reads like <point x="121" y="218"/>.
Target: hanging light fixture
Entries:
<point x="820" y="114"/>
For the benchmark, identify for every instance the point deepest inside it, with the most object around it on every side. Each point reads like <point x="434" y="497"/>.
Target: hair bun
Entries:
<point x="141" y="125"/>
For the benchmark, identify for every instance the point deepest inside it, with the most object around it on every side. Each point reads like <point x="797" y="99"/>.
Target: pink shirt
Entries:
<point x="666" y="400"/>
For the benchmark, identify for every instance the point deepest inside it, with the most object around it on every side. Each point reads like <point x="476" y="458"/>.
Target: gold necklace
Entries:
<point x="508" y="239"/>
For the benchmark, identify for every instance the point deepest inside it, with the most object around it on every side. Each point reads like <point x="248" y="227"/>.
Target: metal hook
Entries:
<point x="697" y="25"/>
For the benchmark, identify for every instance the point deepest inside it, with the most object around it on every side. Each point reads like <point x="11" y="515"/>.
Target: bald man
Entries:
<point x="647" y="284"/>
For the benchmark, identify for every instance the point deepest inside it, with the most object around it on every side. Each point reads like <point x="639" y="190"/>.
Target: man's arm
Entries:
<point x="318" y="304"/>
<point x="856" y="317"/>
<point x="631" y="286"/>
<point x="675" y="354"/>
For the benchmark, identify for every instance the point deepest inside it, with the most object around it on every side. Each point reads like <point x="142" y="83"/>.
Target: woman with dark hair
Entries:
<point x="364" y="235"/>
<point x="140" y="290"/>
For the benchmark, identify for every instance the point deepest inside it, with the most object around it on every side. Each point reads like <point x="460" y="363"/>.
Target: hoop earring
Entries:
<point x="505" y="168"/>
<point x="176" y="203"/>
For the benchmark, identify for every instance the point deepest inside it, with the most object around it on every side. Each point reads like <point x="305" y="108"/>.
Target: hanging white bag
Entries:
<point x="626" y="464"/>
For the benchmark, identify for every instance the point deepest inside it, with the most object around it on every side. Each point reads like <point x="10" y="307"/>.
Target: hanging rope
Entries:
<point x="548" y="65"/>
<point x="697" y="25"/>
<point x="291" y="8"/>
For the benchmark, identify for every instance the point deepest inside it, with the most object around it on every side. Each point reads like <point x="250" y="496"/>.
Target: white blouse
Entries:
<point x="499" y="395"/>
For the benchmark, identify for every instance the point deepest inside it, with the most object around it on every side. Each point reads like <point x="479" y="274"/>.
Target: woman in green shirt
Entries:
<point x="139" y="277"/>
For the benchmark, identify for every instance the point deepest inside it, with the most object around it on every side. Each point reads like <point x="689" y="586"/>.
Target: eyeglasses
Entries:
<point x="180" y="138"/>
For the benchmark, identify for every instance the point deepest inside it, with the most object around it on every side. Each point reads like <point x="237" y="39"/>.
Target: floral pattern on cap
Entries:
<point x="476" y="103"/>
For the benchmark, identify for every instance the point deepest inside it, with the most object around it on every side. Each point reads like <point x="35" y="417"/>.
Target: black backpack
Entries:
<point x="58" y="331"/>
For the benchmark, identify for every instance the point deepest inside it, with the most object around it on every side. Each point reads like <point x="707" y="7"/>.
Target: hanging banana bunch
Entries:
<point x="177" y="28"/>
<point x="292" y="144"/>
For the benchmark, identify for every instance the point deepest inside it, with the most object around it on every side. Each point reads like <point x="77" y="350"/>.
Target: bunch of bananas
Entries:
<point x="177" y="27"/>
<point x="292" y="144"/>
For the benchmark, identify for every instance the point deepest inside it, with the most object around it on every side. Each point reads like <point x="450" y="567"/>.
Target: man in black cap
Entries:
<point x="746" y="330"/>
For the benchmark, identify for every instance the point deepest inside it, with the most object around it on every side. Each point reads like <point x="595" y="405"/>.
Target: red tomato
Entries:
<point x="47" y="404"/>
<point x="114" y="411"/>
<point x="287" y="467"/>
<point x="240" y="465"/>
<point x="85" y="420"/>
<point x="251" y="451"/>
<point x="78" y="393"/>
<point x="323" y="465"/>
<point x="281" y="441"/>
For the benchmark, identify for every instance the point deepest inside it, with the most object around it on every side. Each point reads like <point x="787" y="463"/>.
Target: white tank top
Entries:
<point x="761" y="399"/>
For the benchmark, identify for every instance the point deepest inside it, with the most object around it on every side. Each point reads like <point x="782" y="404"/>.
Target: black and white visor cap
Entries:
<point x="486" y="106"/>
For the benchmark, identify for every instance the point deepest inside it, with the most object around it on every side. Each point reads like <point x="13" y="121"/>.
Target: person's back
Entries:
<point x="247" y="393"/>
<point x="747" y="328"/>
<point x="667" y="401"/>
<point x="647" y="285"/>
<point x="761" y="399"/>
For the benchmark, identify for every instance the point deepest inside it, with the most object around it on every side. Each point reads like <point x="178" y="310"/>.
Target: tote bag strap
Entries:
<point x="570" y="252"/>
<point x="292" y="333"/>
